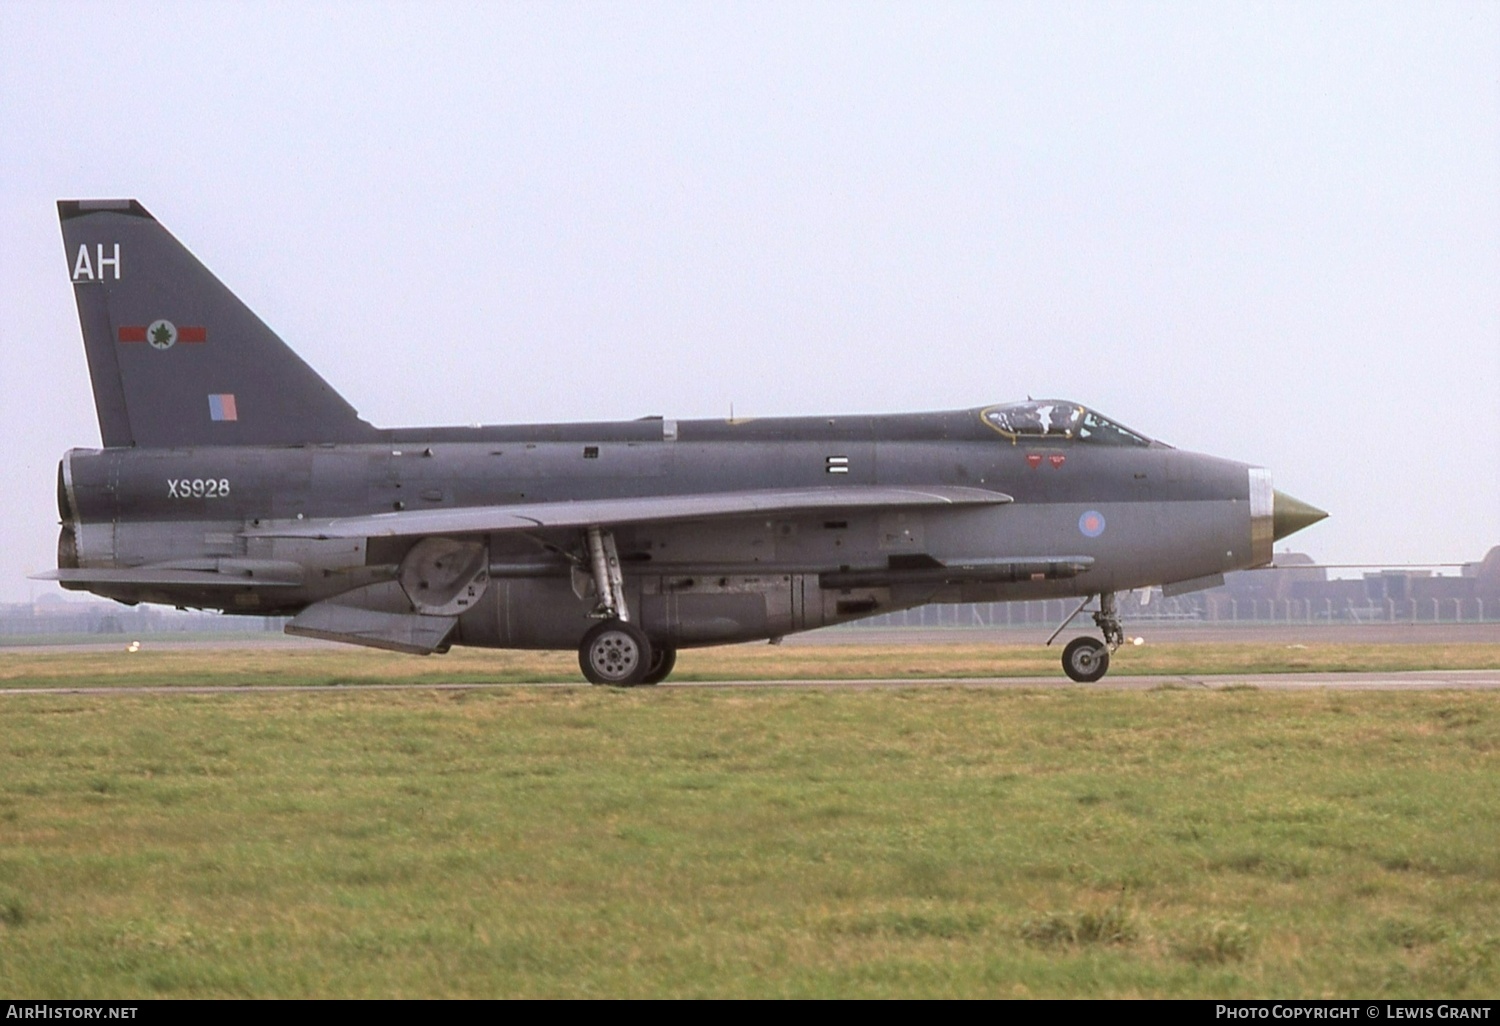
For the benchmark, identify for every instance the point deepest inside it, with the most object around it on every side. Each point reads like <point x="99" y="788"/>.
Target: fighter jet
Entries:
<point x="232" y="477"/>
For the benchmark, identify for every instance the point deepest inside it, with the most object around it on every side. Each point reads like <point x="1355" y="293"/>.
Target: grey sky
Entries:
<point x="1266" y="231"/>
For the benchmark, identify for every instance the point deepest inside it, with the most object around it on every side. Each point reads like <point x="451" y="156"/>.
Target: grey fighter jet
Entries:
<point x="233" y="477"/>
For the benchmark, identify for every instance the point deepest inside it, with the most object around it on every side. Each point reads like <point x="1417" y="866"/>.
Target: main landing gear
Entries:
<point x="662" y="661"/>
<point x="1086" y="660"/>
<point x="615" y="651"/>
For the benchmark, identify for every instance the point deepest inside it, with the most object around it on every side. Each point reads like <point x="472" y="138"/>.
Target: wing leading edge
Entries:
<point x="647" y="509"/>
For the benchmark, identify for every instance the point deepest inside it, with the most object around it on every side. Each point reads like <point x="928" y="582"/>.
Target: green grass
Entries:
<point x="320" y="666"/>
<point x="921" y="841"/>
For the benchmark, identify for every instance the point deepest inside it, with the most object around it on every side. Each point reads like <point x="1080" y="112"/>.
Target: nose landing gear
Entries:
<point x="1086" y="660"/>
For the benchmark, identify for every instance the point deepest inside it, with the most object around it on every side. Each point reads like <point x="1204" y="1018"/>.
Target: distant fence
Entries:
<point x="1219" y="609"/>
<point x="106" y="621"/>
<point x="103" y="620"/>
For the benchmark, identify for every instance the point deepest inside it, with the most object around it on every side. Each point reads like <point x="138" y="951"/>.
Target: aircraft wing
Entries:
<point x="641" y="510"/>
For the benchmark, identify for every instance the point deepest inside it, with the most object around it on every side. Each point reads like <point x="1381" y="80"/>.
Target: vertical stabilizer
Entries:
<point x="176" y="359"/>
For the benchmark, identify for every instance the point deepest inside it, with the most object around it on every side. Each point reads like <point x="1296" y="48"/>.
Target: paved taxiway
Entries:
<point x="1154" y="633"/>
<point x="1171" y="633"/>
<point x="1266" y="634"/>
<point x="1419" y="680"/>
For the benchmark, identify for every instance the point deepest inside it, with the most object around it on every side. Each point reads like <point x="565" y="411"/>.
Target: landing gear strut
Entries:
<point x="609" y="583"/>
<point x="1086" y="660"/>
<point x="1108" y="621"/>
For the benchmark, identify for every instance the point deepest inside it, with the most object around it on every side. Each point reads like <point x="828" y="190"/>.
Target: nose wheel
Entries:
<point x="1086" y="660"/>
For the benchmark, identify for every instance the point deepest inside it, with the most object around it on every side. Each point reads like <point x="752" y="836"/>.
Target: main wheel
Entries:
<point x="615" y="653"/>
<point x="662" y="661"/>
<point x="1085" y="660"/>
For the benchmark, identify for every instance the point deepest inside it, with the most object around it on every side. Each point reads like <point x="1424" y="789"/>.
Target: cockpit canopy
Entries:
<point x="1057" y="419"/>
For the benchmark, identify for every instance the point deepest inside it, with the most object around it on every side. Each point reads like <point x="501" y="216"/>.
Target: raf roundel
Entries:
<point x="161" y="334"/>
<point x="1091" y="524"/>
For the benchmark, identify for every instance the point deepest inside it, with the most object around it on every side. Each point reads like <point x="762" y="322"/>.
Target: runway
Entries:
<point x="1417" y="680"/>
<point x="1154" y="633"/>
<point x="1173" y="633"/>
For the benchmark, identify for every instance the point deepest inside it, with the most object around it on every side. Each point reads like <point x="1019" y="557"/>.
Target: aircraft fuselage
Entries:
<point x="1138" y="515"/>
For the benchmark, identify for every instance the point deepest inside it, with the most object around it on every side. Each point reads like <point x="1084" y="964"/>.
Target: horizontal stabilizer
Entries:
<point x="648" y="509"/>
<point x="911" y="570"/>
<point x="413" y="633"/>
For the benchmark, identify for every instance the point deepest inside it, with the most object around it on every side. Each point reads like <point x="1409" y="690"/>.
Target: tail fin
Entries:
<point x="176" y="359"/>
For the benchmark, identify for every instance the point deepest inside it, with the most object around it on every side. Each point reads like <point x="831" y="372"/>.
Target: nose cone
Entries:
<point x="1289" y="515"/>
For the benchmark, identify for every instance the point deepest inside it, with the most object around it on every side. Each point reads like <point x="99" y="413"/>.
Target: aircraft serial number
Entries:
<point x="198" y="488"/>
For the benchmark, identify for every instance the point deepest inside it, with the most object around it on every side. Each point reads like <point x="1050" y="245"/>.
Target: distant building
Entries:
<point x="1297" y="590"/>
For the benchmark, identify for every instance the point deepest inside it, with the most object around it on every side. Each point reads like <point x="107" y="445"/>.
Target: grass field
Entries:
<point x="915" y="841"/>
<point x="324" y="666"/>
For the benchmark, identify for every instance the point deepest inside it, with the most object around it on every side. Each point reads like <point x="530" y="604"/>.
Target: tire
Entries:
<point x="616" y="654"/>
<point x="1085" y="660"/>
<point x="662" y="661"/>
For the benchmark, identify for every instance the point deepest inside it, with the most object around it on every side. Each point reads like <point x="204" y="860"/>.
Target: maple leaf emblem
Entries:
<point x="161" y="334"/>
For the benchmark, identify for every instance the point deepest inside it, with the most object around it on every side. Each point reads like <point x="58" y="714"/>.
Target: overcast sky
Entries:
<point x="1265" y="231"/>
